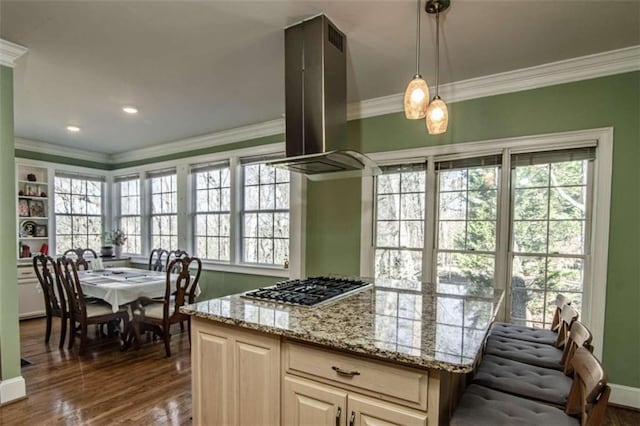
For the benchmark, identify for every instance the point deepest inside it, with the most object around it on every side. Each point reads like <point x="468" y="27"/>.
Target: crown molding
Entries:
<point x="62" y="151"/>
<point x="238" y="134"/>
<point x="566" y="71"/>
<point x="10" y="52"/>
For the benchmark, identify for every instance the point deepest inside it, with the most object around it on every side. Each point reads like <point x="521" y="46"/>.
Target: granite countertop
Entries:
<point x="439" y="326"/>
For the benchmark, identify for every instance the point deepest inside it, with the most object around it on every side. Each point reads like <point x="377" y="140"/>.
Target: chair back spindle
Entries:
<point x="175" y="254"/>
<point x="158" y="259"/>
<point x="45" y="269"/>
<point x="561" y="300"/>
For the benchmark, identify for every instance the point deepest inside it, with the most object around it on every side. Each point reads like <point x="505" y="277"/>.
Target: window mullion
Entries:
<point x="429" y="260"/>
<point x="503" y="216"/>
<point x="235" y="217"/>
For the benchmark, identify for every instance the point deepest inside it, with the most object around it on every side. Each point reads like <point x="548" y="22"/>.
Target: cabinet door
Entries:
<point x="372" y="412"/>
<point x="211" y="387"/>
<point x="30" y="300"/>
<point x="313" y="404"/>
<point x="256" y="377"/>
<point x="235" y="376"/>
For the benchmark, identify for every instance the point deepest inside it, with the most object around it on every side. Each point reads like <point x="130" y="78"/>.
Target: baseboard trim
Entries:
<point x="12" y="389"/>
<point x="625" y="396"/>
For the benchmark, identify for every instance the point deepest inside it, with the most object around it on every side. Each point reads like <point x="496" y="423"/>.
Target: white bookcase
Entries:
<point x="33" y="192"/>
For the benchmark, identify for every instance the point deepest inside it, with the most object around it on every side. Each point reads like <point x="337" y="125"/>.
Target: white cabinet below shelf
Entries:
<point x="30" y="298"/>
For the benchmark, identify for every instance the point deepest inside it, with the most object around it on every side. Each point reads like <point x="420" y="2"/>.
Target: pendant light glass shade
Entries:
<point x="416" y="98"/>
<point x="437" y="116"/>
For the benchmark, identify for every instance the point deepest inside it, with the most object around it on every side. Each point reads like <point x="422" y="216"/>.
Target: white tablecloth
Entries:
<point x="119" y="286"/>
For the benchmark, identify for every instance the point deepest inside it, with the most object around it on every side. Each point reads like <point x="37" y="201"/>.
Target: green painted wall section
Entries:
<point x="9" y="330"/>
<point x="608" y="101"/>
<point x="333" y="227"/>
<point x="217" y="284"/>
<point x="194" y="153"/>
<point x="31" y="155"/>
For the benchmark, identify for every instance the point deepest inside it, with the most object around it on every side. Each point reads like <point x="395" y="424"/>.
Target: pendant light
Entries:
<point x="437" y="112"/>
<point x="416" y="97"/>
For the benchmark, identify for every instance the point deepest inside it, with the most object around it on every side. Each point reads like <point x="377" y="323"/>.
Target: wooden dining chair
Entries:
<point x="158" y="259"/>
<point x="81" y="313"/>
<point x="586" y="405"/>
<point x="54" y="298"/>
<point x="80" y="255"/>
<point x="158" y="315"/>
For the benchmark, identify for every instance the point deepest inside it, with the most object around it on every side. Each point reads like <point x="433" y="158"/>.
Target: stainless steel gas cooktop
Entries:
<point x="309" y="292"/>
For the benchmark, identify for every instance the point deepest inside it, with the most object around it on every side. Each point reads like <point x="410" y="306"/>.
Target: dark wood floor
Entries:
<point x="107" y="386"/>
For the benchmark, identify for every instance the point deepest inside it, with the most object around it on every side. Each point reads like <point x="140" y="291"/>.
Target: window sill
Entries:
<point x="208" y="265"/>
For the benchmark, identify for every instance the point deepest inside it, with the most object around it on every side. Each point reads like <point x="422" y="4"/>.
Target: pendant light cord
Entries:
<point x="437" y="46"/>
<point x="418" y="40"/>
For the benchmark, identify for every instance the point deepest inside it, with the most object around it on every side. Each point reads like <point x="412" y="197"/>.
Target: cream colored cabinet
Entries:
<point x="313" y="404"/>
<point x="365" y="411"/>
<point x="309" y="403"/>
<point x="30" y="297"/>
<point x="236" y="378"/>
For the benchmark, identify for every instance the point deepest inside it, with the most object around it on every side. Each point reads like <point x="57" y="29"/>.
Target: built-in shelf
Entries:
<point x="32" y="201"/>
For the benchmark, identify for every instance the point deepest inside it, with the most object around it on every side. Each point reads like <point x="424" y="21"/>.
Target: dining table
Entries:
<point x="123" y="285"/>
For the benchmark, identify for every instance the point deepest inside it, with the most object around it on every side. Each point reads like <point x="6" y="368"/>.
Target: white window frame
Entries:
<point x="81" y="174"/>
<point x="185" y="188"/>
<point x="114" y="183"/>
<point x="595" y="281"/>
<point x="195" y="213"/>
<point x="149" y="191"/>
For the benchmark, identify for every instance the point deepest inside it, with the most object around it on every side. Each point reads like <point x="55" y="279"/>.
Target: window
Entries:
<point x="265" y="214"/>
<point x="400" y="212"/>
<point x="549" y="239"/>
<point x="78" y="212"/>
<point x="212" y="230"/>
<point x="467" y="220"/>
<point x="164" y="210"/>
<point x="527" y="232"/>
<point x="129" y="192"/>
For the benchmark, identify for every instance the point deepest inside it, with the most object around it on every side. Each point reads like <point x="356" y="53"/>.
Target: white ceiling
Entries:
<point x="199" y="67"/>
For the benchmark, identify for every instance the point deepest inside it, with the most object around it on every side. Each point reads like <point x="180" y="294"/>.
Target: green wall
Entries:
<point x="216" y="284"/>
<point x="266" y="140"/>
<point x="21" y="153"/>
<point x="9" y="330"/>
<point x="608" y="101"/>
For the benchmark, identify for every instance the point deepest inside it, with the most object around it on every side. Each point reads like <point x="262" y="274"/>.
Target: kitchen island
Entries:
<point x="394" y="353"/>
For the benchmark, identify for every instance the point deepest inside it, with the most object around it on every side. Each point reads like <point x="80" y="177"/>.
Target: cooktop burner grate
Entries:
<point x="308" y="292"/>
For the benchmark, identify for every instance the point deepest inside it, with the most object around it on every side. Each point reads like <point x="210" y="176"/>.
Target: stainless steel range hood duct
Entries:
<point x="316" y="104"/>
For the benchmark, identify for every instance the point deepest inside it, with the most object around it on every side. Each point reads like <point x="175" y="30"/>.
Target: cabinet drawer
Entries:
<point x="407" y="385"/>
<point x="26" y="273"/>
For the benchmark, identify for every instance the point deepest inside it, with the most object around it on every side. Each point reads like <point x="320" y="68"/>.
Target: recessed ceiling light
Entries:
<point x="130" y="109"/>
<point x="73" y="128"/>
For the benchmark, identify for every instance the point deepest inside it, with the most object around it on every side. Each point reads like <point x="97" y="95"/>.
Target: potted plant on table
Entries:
<point x="118" y="238"/>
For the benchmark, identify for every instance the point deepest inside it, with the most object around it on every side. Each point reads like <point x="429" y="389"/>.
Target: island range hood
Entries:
<point x="316" y="104"/>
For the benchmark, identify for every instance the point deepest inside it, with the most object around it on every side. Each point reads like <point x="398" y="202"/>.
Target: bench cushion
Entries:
<point x="528" y="381"/>
<point x="520" y="332"/>
<point x="528" y="352"/>
<point x="482" y="406"/>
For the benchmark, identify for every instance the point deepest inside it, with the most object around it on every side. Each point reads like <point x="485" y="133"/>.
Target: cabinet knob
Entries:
<point x="338" y="415"/>
<point x="352" y="419"/>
